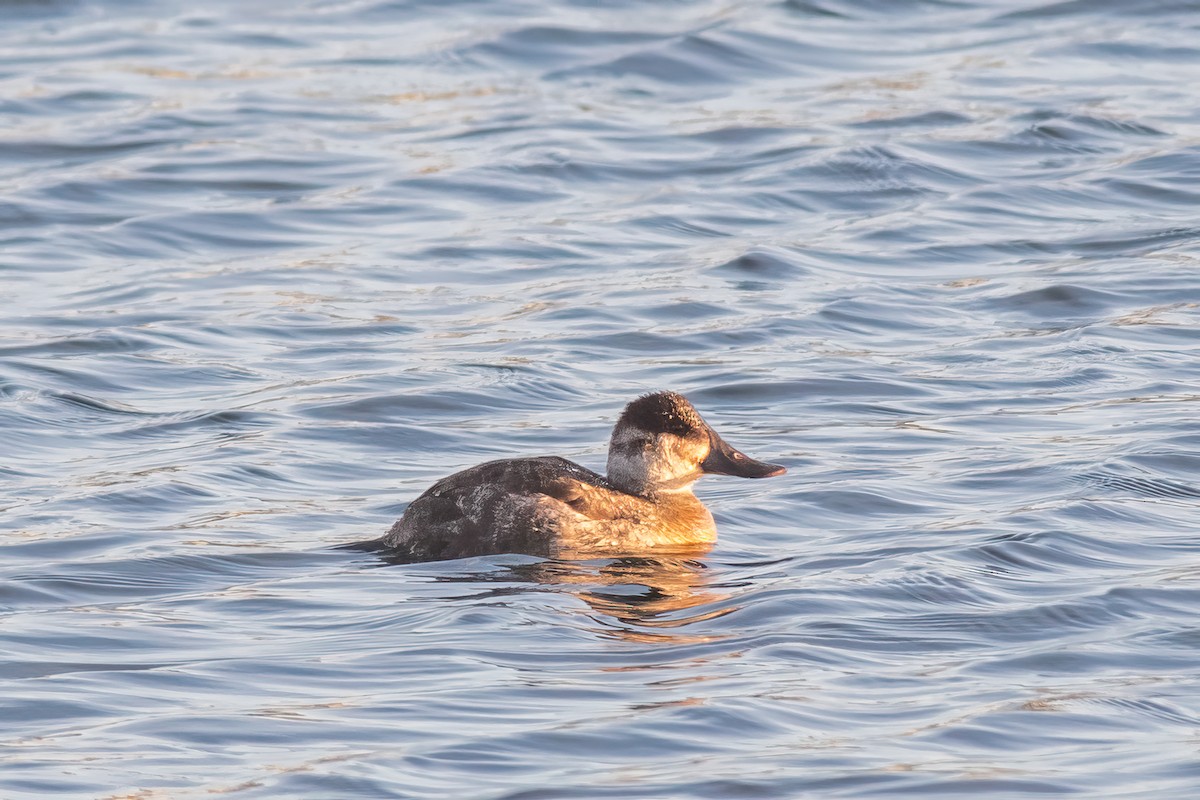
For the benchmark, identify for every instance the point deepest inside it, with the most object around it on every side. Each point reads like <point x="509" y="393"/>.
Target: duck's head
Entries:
<point x="662" y="444"/>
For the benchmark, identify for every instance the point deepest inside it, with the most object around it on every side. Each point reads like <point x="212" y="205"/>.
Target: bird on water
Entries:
<point x="549" y="506"/>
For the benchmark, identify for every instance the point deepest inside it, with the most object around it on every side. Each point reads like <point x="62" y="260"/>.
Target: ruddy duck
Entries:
<point x="549" y="506"/>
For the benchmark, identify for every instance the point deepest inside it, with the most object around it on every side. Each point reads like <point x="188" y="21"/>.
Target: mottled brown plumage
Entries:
<point x="549" y="506"/>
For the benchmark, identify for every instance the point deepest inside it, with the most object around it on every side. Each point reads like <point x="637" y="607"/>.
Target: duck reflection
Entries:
<point x="642" y="599"/>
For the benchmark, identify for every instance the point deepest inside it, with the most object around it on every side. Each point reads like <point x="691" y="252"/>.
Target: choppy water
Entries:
<point x="271" y="268"/>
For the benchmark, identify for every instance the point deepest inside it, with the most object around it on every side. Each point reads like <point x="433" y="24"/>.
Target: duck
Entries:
<point x="550" y="507"/>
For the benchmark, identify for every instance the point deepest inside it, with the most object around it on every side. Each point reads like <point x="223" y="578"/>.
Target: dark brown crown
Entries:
<point x="662" y="412"/>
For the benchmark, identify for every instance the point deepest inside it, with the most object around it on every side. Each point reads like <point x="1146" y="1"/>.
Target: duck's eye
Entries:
<point x="738" y="457"/>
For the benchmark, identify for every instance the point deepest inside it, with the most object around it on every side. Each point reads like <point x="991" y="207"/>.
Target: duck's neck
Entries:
<point x="681" y="485"/>
<point x="629" y="471"/>
<point x="635" y="482"/>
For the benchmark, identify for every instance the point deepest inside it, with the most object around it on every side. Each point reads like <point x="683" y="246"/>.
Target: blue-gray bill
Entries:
<point x="724" y="459"/>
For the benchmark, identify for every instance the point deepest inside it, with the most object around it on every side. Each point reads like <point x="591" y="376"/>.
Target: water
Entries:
<point x="270" y="269"/>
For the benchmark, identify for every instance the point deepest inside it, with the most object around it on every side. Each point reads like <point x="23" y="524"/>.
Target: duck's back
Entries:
<point x="514" y="505"/>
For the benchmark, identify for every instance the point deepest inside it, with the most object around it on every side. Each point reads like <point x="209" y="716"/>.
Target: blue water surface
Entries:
<point x="269" y="269"/>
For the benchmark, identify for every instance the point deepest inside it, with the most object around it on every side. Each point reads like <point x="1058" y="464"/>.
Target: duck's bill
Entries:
<point x="724" y="459"/>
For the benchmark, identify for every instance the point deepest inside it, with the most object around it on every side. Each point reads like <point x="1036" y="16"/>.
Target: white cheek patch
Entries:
<point x="638" y="459"/>
<point x="674" y="458"/>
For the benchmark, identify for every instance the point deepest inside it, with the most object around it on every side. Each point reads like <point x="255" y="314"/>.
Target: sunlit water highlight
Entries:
<point x="270" y="269"/>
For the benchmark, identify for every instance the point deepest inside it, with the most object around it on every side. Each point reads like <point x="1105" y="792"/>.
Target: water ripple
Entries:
<point x="270" y="274"/>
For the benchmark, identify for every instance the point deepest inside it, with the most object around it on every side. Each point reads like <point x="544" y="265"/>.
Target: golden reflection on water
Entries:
<point x="633" y="598"/>
<point x="639" y="599"/>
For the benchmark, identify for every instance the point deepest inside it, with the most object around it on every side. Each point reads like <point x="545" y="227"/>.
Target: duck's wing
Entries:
<point x="548" y="476"/>
<point x="561" y="480"/>
<point x="499" y="507"/>
<point x="584" y="492"/>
